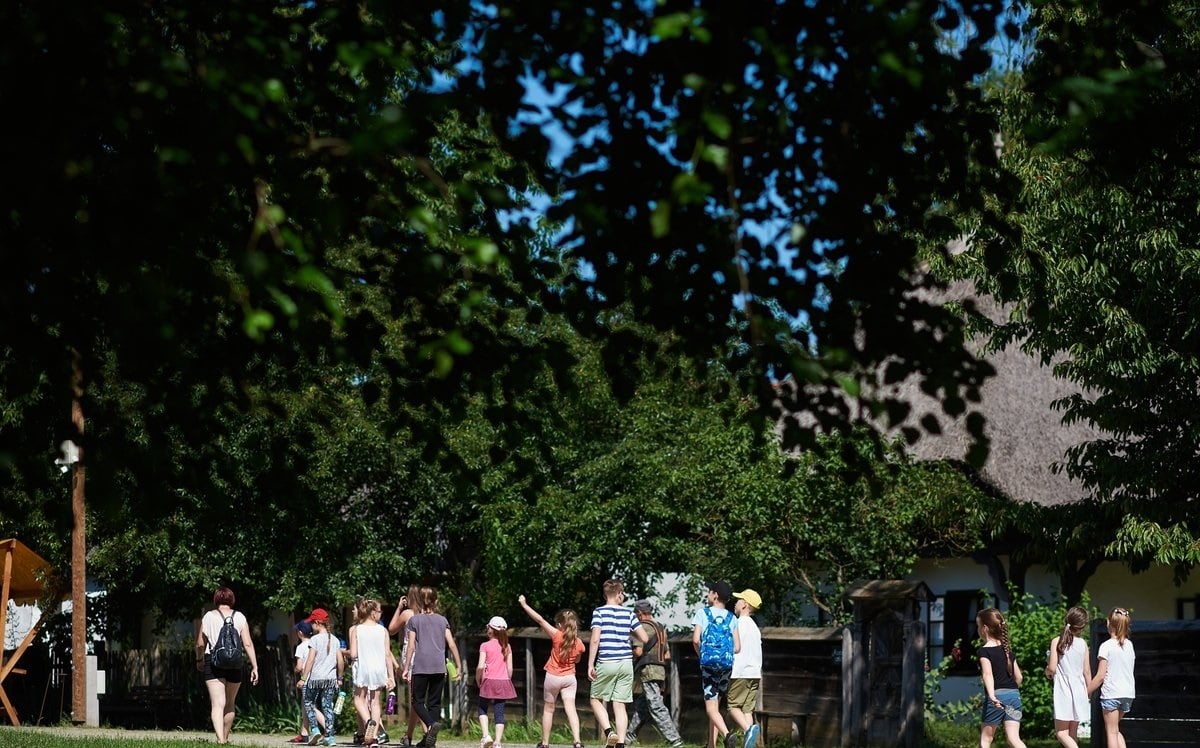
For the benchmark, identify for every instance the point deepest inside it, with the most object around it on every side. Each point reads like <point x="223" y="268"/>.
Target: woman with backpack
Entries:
<point x="222" y="645"/>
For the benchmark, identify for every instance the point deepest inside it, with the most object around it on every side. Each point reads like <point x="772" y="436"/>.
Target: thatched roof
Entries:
<point x="1027" y="434"/>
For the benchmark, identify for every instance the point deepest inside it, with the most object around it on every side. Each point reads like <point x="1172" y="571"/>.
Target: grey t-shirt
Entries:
<point x="430" y="629"/>
<point x="326" y="649"/>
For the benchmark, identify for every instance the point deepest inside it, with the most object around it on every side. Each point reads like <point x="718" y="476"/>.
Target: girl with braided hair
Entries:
<point x="1071" y="669"/>
<point x="1001" y="678"/>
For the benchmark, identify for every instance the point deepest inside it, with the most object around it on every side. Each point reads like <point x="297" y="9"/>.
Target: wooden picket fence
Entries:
<point x="160" y="686"/>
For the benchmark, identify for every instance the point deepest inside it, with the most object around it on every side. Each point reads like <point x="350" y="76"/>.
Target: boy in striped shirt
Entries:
<point x="610" y="661"/>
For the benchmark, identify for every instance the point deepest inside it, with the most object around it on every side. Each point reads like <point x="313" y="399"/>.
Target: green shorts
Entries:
<point x="614" y="681"/>
<point x="743" y="694"/>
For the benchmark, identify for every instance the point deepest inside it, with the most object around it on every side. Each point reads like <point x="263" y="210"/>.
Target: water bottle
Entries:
<point x="391" y="703"/>
<point x="341" y="702"/>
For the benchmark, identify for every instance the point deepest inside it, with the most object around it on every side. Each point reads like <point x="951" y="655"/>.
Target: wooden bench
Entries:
<point x="145" y="706"/>
<point x="797" y="720"/>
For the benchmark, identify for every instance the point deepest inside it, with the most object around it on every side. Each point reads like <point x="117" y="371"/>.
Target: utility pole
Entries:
<point x="78" y="553"/>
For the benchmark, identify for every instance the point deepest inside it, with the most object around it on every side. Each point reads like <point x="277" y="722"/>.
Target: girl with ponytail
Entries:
<point x="1071" y="670"/>
<point x="565" y="650"/>
<point x="1114" y="676"/>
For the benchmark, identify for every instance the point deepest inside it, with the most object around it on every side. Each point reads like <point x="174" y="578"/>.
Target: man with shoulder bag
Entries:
<point x="649" y="678"/>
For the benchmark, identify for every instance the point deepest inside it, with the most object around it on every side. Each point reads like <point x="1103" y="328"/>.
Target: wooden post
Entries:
<point x="852" y="674"/>
<point x="530" y="684"/>
<point x="673" y="687"/>
<point x="78" y="553"/>
<point x="912" y="699"/>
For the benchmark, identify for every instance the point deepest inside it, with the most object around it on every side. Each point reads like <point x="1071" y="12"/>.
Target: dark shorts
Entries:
<point x="714" y="681"/>
<point x="229" y="675"/>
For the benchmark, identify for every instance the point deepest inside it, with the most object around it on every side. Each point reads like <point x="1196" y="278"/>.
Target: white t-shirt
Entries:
<point x="301" y="654"/>
<point x="1118" y="678"/>
<point x="747" y="662"/>
<point x="211" y="626"/>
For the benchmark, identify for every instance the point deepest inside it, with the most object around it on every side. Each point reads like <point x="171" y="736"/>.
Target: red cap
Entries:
<point x="319" y="615"/>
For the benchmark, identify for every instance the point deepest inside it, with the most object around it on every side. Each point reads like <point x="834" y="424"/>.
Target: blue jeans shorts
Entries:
<point x="1109" y="705"/>
<point x="1011" y="699"/>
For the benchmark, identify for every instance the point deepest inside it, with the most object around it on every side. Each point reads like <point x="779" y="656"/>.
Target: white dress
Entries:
<point x="370" y="669"/>
<point x="1071" y="703"/>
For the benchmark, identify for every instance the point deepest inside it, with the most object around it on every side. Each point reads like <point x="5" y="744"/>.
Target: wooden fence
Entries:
<point x="160" y="687"/>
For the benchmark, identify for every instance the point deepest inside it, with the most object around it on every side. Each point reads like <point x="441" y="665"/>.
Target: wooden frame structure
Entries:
<point x="24" y="582"/>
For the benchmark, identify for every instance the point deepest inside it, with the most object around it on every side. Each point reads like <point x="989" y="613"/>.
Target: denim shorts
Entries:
<point x="1011" y="699"/>
<point x="1109" y="705"/>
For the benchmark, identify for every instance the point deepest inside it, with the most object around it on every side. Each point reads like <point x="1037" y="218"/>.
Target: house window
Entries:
<point x="952" y="625"/>
<point x="1187" y="608"/>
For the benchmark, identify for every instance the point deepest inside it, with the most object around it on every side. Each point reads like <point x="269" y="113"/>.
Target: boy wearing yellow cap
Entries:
<point x="747" y="666"/>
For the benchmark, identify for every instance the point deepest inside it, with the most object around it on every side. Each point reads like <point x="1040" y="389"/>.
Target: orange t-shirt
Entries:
<point x="556" y="665"/>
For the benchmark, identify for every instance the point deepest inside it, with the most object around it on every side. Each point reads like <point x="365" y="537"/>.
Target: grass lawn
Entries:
<point x="938" y="735"/>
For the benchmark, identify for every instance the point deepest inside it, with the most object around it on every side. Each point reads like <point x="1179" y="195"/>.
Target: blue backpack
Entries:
<point x="716" y="643"/>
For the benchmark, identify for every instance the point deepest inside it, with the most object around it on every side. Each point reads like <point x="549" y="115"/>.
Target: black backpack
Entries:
<point x="227" y="652"/>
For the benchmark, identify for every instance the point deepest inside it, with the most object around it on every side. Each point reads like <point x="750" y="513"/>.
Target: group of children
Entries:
<point x="1069" y="667"/>
<point x="321" y="663"/>
<point x="728" y="644"/>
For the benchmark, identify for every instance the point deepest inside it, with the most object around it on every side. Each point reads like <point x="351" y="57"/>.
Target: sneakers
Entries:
<point x="406" y="742"/>
<point x="752" y="736"/>
<point x="576" y="745"/>
<point x="329" y="741"/>
<point x="299" y="739"/>
<point x="382" y="737"/>
<point x="315" y="738"/>
<point x="430" y="738"/>
<point x="676" y="744"/>
<point x="610" y="738"/>
<point x="371" y="736"/>
<point x="487" y="742"/>
<point x="731" y="740"/>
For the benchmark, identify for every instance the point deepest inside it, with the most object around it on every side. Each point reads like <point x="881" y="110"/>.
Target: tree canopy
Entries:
<point x="323" y="259"/>
<point x="1102" y="276"/>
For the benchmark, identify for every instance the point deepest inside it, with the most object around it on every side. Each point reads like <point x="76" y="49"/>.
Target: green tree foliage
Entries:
<point x="734" y="171"/>
<point x="221" y="207"/>
<point x="1103" y="277"/>
<point x="670" y="479"/>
